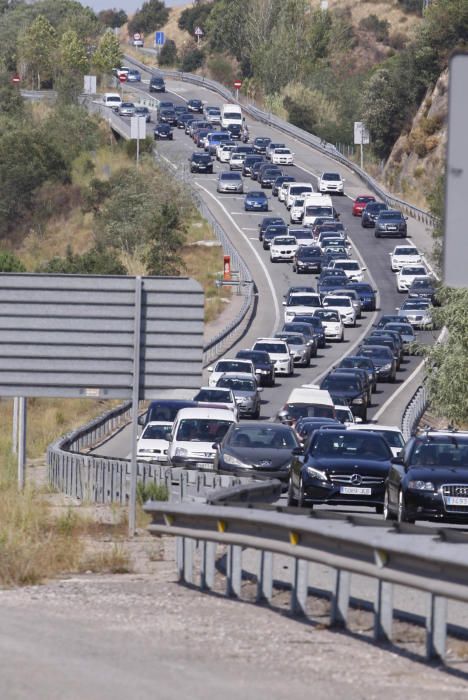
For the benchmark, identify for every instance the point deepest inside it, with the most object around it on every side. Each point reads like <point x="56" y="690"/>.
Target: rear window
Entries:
<point x="299" y="189"/>
<point x="319" y="211"/>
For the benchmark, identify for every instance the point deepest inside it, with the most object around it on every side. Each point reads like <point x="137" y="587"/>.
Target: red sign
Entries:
<point x="227" y="267"/>
<point x="137" y="36"/>
<point x="237" y="84"/>
<point x="123" y="77"/>
<point x="15" y="79"/>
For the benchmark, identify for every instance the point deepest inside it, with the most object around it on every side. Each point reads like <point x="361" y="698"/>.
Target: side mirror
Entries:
<point x="298" y="451"/>
<point x="142" y="419"/>
<point x="209" y="369"/>
<point x="260" y="389"/>
<point x="363" y="269"/>
<point x="215" y="446"/>
<point x="169" y="436"/>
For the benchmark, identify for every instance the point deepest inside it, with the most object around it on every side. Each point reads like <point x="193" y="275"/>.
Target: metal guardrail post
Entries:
<point x="180" y="557"/>
<point x="207" y="565"/>
<point x="340" y="599"/>
<point x="188" y="547"/>
<point x="234" y="571"/>
<point x="383" y="615"/>
<point x="299" y="587"/>
<point x="265" y="577"/>
<point x="436" y="627"/>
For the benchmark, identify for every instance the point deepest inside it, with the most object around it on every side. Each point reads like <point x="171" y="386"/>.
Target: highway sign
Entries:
<point x="136" y="36"/>
<point x="198" y="31"/>
<point x="90" y="84"/>
<point x="159" y="39"/>
<point x="238" y="84"/>
<point x="361" y="133"/>
<point x="123" y="77"/>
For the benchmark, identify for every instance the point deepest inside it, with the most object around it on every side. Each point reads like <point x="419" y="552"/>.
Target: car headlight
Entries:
<point x="316" y="474"/>
<point x="358" y="401"/>
<point x="420" y="485"/>
<point x="181" y="452"/>
<point x="387" y="367"/>
<point x="234" y="462"/>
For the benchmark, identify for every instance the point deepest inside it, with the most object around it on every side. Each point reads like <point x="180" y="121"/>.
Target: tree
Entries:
<point x="108" y="54"/>
<point x="381" y="111"/>
<point x="192" y="60"/>
<point x="97" y="261"/>
<point x="10" y="263"/>
<point x="37" y="46"/>
<point x="73" y="54"/>
<point x="168" y="54"/>
<point x="71" y="130"/>
<point x="113" y="18"/>
<point x="11" y="102"/>
<point x="195" y="16"/>
<point x="152" y="15"/>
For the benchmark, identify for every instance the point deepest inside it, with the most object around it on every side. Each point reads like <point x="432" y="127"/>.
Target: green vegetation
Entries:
<point x="152" y="15"/>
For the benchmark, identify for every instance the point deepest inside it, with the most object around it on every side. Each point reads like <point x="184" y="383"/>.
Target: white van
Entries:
<point x="317" y="205"/>
<point x="194" y="433"/>
<point x="230" y="114"/>
<point x="297" y="189"/>
<point x="112" y="99"/>
<point x="307" y="401"/>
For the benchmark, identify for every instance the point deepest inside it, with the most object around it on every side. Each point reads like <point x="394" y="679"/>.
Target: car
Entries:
<point x="267" y="176"/>
<point x="324" y="225"/>
<point x="299" y="346"/>
<point x="389" y="318"/>
<point x="255" y="169"/>
<point x="360" y="203"/>
<point x="391" y="434"/>
<point x="391" y="222"/>
<point x="303" y="236"/>
<point x="382" y="338"/>
<point x="184" y="119"/>
<point x="307" y="259"/>
<point x="300" y="303"/>
<point x="428" y="479"/>
<point x="334" y="252"/>
<point x="296" y="212"/>
<point x="199" y="138"/>
<point x="260" y="144"/>
<point x="340" y="467"/>
<point x="181" y="109"/>
<point x="230" y="182"/>
<point x="279" y="353"/>
<point x="304" y="329"/>
<point x="168" y="116"/>
<point x="157" y="84"/>
<point x="403" y="255"/>
<point x="282" y="248"/>
<point x="363" y="375"/>
<point x="235" y="130"/>
<point x="282" y="156"/>
<point x="217" y="395"/>
<point x="407" y="274"/>
<point x="201" y="163"/>
<point x="304" y="427"/>
<point x="214" y="139"/>
<point x="299" y="289"/>
<point x="264" y="368"/>
<point x="383" y="359"/>
<point x="224" y="151"/>
<point x="123" y="70"/>
<point x="271" y="232"/>
<point x="349" y="389"/>
<point x="164" y="410"/>
<point x="261" y="450"/>
<point x="153" y="442"/>
<point x="141" y="111"/>
<point x="318" y="330"/>
<point x="343" y="305"/>
<point x="213" y="115"/>
<point x="249" y="161"/>
<point x="195" y="105"/>
<point x="353" y="295"/>
<point x="324" y="236"/>
<point x="371" y="213"/>
<point x="332" y="323"/>
<point x="194" y="433"/>
<point x="166" y="104"/>
<point x="271" y="147"/>
<point x="366" y="293"/>
<point x="417" y="312"/>
<point x="351" y="268"/>
<point x="133" y="76"/>
<point x="331" y="183"/>
<point x="307" y="400"/>
<point x="163" y="131"/>
<point x="362" y="362"/>
<point x="345" y="415"/>
<point x="424" y="288"/>
<point x="229" y="365"/>
<point x="327" y="284"/>
<point x="126" y="109"/>
<point x="256" y="201"/>
<point x="281" y="180"/>
<point x="246" y="392"/>
<point x="236" y="161"/>
<point x="270" y="221"/>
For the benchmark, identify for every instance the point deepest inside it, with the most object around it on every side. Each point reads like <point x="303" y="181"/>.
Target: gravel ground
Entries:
<point x="143" y="635"/>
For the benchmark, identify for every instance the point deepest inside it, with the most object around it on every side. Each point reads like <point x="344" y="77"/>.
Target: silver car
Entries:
<point x="417" y="311"/>
<point x="299" y="346"/>
<point x="246" y="392"/>
<point x="230" y="182"/>
<point x="127" y="109"/>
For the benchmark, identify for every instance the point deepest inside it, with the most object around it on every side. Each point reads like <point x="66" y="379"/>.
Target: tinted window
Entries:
<point x="349" y="444"/>
<point x="276" y="437"/>
<point x="156" y="432"/>
<point x="202" y="429"/>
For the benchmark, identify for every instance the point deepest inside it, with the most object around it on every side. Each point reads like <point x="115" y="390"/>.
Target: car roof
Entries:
<point x="200" y="411"/>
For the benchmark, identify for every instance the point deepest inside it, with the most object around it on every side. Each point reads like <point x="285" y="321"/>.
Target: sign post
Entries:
<point x="227" y="268"/>
<point x="137" y="132"/>
<point x="237" y="85"/>
<point x="361" y="137"/>
<point x="89" y="84"/>
<point x="198" y="33"/>
<point x="123" y="79"/>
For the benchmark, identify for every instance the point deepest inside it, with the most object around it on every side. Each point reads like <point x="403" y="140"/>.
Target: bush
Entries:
<point x="221" y="69"/>
<point x="151" y="492"/>
<point x="10" y="263"/>
<point x="414" y="6"/>
<point x="168" y="54"/>
<point x="97" y="261"/>
<point x="146" y="146"/>
<point x="192" y="60"/>
<point x="378" y="27"/>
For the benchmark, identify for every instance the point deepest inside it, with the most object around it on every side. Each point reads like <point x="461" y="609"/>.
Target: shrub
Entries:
<point x="378" y="27"/>
<point x="10" y="263"/>
<point x="151" y="492"/>
<point x="192" y="60"/>
<point x="146" y="146"/>
<point x="221" y="69"/>
<point x="168" y="54"/>
<point x="97" y="261"/>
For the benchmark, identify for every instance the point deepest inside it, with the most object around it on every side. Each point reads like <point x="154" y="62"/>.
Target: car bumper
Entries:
<point x="325" y="492"/>
<point x="389" y="232"/>
<point x="282" y="367"/>
<point x="426" y="506"/>
<point x="206" y="463"/>
<point x="308" y="267"/>
<point x="259" y="474"/>
<point x="256" y="207"/>
<point x="282" y="255"/>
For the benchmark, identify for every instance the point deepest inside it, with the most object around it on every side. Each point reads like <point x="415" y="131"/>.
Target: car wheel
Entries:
<point x="377" y="235"/>
<point x="342" y="338"/>
<point x="256" y="414"/>
<point x="307" y="362"/>
<point x="291" y="501"/>
<point x="291" y="371"/>
<point x="272" y="381"/>
<point x="301" y="500"/>
<point x="403" y="516"/>
<point x="387" y="513"/>
<point x="272" y="259"/>
<point x="379" y="510"/>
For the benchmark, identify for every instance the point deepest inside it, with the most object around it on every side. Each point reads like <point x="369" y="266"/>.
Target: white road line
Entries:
<point x="240" y="213"/>
<point x="397" y="392"/>
<point x="173" y="165"/>
<point x="246" y="228"/>
<point x="262" y="264"/>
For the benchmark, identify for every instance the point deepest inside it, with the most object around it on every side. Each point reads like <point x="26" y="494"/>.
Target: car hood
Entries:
<point x="354" y="465"/>
<point x="260" y="458"/>
<point x="439" y="475"/>
<point x="155" y="444"/>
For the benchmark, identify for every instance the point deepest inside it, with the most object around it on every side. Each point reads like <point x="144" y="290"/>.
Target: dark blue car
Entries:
<point x="366" y="294"/>
<point x="256" y="201"/>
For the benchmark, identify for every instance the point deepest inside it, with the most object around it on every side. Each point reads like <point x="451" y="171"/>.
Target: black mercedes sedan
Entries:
<point x="429" y="479"/>
<point x="263" y="450"/>
<point x="340" y="467"/>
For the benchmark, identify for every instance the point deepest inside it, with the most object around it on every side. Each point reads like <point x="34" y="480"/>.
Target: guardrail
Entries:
<point x="414" y="411"/>
<point x="367" y="547"/>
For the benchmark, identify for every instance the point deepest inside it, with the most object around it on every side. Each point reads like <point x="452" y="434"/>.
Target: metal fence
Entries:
<point x="423" y="559"/>
<point x="414" y="411"/>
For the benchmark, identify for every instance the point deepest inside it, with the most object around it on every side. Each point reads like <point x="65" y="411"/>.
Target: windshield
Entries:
<point x="156" y="432"/>
<point x="450" y="451"/>
<point x="303" y="234"/>
<point x="405" y="251"/>
<point x="293" y="339"/>
<point x="350" y="444"/>
<point x="233" y="115"/>
<point x="233" y="366"/>
<point x="404" y="328"/>
<point x="274" y="437"/>
<point x="413" y="271"/>
<point x="230" y="176"/>
<point x="305" y="410"/>
<point x="382" y="352"/>
<point x="202" y="429"/>
<point x="213" y="396"/>
<point x="390" y="215"/>
<point x="299" y="189"/>
<point x="306" y="252"/>
<point x="331" y="176"/>
<point x="319" y="211"/>
<point x="344" y="265"/>
<point x="304" y="301"/>
<point x="337" y="301"/>
<point x="340" y="383"/>
<point x="284" y="241"/>
<point x="327" y="315"/>
<point x="237" y="383"/>
<point x="275" y="348"/>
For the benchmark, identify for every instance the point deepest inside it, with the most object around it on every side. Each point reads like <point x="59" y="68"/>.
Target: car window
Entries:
<point x="274" y="437"/>
<point x="156" y="432"/>
<point x="202" y="429"/>
<point x="350" y="444"/>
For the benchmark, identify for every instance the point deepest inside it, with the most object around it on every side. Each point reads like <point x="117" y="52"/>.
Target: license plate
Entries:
<point x="457" y="501"/>
<point x="391" y="228"/>
<point x="205" y="465"/>
<point x="355" y="491"/>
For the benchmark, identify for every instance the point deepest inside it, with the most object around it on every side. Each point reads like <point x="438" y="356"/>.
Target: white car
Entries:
<point x="223" y="152"/>
<point x="153" y="442"/>
<point x="272" y="147"/>
<point x="332" y="324"/>
<point x="296" y="189"/>
<point x="123" y="70"/>
<point x="407" y="274"/>
<point x="283" y="190"/>
<point x="283" y="248"/>
<point x="279" y="352"/>
<point x="331" y="183"/>
<point x="194" y="433"/>
<point x="345" y="415"/>
<point x="403" y="255"/>
<point x="218" y="397"/>
<point x="229" y="365"/>
<point x="343" y="305"/>
<point x="236" y="161"/>
<point x="303" y="236"/>
<point x="282" y="156"/>
<point x="351" y="268"/>
<point x="301" y="304"/>
<point x="353" y="295"/>
<point x="297" y="211"/>
<point x="391" y="433"/>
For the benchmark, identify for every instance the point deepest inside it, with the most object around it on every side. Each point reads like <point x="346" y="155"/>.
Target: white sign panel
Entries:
<point x="90" y="84"/>
<point x="361" y="133"/>
<point x="455" y="267"/>
<point x="137" y="128"/>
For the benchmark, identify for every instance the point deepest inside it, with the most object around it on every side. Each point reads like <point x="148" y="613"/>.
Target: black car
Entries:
<point x="357" y="372"/>
<point x="168" y="116"/>
<point x="429" y="479"/>
<point x="263" y="450"/>
<point x="308" y="258"/>
<point x="383" y="359"/>
<point x="164" y="410"/>
<point x="425" y="288"/>
<point x="271" y="232"/>
<point x="141" y="111"/>
<point x="256" y="167"/>
<point x="163" y="131"/>
<point x="270" y="221"/>
<point x="201" y="163"/>
<point x="235" y="130"/>
<point x="366" y="293"/>
<point x="184" y="119"/>
<point x="371" y="212"/>
<point x="268" y="175"/>
<point x="304" y="427"/>
<point x="388" y="318"/>
<point x="391" y="222"/>
<point x="340" y="467"/>
<point x="329" y="283"/>
<point x="380" y="338"/>
<point x="362" y="363"/>
<point x="248" y="164"/>
<point x="347" y="388"/>
<point x="264" y="367"/>
<point x="317" y="325"/>
<point x="195" y="106"/>
<point x="260" y="144"/>
<point x="280" y="180"/>
<point x="157" y="84"/>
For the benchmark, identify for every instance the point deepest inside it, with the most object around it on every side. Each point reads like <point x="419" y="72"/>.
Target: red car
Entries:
<point x="360" y="202"/>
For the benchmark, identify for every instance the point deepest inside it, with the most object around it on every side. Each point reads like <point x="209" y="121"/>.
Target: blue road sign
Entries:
<point x="159" y="39"/>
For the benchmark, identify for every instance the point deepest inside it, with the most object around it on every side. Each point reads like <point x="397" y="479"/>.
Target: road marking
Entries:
<point x="240" y="213"/>
<point x="262" y="264"/>
<point x="245" y="228"/>
<point x="173" y="165"/>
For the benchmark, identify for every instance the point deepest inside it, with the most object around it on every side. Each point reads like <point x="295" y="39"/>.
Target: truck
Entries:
<point x="230" y="114"/>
